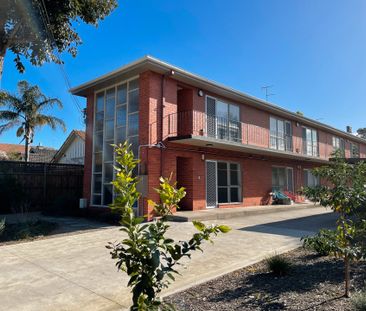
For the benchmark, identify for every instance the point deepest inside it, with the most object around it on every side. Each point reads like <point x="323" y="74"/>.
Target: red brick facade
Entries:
<point x="162" y="100"/>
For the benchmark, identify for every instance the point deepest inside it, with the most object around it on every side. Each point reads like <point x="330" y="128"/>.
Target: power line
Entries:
<point x="46" y="21"/>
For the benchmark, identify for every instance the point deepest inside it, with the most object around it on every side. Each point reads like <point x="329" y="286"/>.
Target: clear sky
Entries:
<point x="313" y="52"/>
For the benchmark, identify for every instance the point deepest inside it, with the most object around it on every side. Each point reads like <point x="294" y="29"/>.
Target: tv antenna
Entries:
<point x="267" y="91"/>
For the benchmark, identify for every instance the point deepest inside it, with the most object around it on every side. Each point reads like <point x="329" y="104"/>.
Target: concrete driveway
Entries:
<point x="75" y="272"/>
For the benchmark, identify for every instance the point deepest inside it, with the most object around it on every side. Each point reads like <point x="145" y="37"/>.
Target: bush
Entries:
<point x="359" y="301"/>
<point x="322" y="243"/>
<point x="278" y="265"/>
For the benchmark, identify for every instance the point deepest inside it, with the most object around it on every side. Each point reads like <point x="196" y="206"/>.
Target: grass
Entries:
<point x="359" y="301"/>
<point x="278" y="265"/>
<point x="27" y="230"/>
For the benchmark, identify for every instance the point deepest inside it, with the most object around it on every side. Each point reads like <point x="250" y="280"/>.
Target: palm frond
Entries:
<point x="50" y="102"/>
<point x="7" y="115"/>
<point x="53" y="122"/>
<point x="10" y="100"/>
<point x="9" y="125"/>
<point x="20" y="131"/>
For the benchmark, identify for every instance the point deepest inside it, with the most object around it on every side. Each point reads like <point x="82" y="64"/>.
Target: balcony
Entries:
<point x="199" y="129"/>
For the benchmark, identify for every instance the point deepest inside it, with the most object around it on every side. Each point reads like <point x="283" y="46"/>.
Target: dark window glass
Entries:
<point x="134" y="84"/>
<point x="97" y="199"/>
<point x="98" y="140"/>
<point x="108" y="172"/>
<point x="121" y="134"/>
<point x="121" y="116"/>
<point x="133" y="124"/>
<point x="100" y="102"/>
<point x="108" y="151"/>
<point x="234" y="195"/>
<point x="98" y="162"/>
<point x="99" y="121"/>
<point x="122" y="94"/>
<point x="133" y="101"/>
<point x="234" y="178"/>
<point x="134" y="141"/>
<point x="109" y="129"/>
<point x="222" y="177"/>
<point x="222" y="195"/>
<point x="110" y="104"/>
<point x="107" y="194"/>
<point x="97" y="183"/>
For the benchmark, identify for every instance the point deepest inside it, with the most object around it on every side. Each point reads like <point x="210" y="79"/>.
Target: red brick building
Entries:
<point x="228" y="149"/>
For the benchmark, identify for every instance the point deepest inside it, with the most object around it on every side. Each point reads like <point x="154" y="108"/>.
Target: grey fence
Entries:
<point x="48" y="187"/>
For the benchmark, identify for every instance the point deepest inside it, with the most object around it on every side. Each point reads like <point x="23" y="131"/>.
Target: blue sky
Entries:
<point x="313" y="52"/>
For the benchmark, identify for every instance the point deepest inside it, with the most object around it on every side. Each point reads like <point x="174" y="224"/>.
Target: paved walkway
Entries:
<point x="75" y="272"/>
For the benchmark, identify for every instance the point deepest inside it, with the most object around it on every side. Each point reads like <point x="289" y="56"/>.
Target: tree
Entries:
<point x="362" y="132"/>
<point x="27" y="112"/>
<point x="344" y="191"/>
<point x="40" y="29"/>
<point x="146" y="254"/>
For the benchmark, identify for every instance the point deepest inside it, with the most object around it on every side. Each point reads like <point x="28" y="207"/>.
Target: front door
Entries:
<point x="211" y="184"/>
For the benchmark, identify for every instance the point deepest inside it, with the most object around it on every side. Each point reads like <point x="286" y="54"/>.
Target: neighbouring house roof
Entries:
<point x="9" y="148"/>
<point x="41" y="154"/>
<point x="67" y="143"/>
<point x="150" y="63"/>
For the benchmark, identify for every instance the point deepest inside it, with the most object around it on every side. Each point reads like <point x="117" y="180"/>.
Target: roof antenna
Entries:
<point x="266" y="89"/>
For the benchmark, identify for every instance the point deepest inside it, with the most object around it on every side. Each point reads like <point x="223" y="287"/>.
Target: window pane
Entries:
<point x="121" y="135"/>
<point x="222" y="177"/>
<point x="234" y="112"/>
<point x="107" y="198"/>
<point x="133" y="124"/>
<point x="222" y="165"/>
<point x="97" y="200"/>
<point x="108" y="172"/>
<point x="221" y="110"/>
<point x="109" y="129"/>
<point x="133" y="101"/>
<point x="222" y="195"/>
<point x="290" y="184"/>
<point x="134" y="141"/>
<point x="98" y="140"/>
<point x="122" y="94"/>
<point x="234" y="178"/>
<point x="99" y="121"/>
<point x="121" y="116"/>
<point x="97" y="183"/>
<point x="110" y="104"/>
<point x="100" y="102"/>
<point x="234" y="195"/>
<point x="98" y="162"/>
<point x="108" y="151"/>
<point x="134" y="84"/>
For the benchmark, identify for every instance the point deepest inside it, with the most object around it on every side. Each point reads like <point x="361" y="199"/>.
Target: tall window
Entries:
<point x="228" y="182"/>
<point x="116" y="119"/>
<point x="310" y="142"/>
<point x="280" y="134"/>
<point x="310" y="180"/>
<point x="339" y="144"/>
<point x="355" y="150"/>
<point x="223" y="120"/>
<point x="282" y="179"/>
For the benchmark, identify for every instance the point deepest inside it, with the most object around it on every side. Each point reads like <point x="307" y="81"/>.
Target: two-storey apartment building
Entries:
<point x="228" y="149"/>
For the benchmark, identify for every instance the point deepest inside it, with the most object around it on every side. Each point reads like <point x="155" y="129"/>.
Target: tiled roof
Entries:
<point x="8" y="148"/>
<point x="80" y="133"/>
<point x="41" y="154"/>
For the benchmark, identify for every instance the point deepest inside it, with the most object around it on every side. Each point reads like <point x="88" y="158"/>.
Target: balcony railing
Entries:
<point x="196" y="123"/>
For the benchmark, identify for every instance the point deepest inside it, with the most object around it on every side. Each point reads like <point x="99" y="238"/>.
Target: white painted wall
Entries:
<point x="75" y="153"/>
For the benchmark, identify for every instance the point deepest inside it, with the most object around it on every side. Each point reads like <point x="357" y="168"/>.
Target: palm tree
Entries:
<point x="26" y="111"/>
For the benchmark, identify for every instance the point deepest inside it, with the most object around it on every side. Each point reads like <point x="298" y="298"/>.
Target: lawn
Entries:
<point x="313" y="283"/>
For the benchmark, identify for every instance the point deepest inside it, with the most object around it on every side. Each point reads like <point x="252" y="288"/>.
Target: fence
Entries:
<point x="40" y="186"/>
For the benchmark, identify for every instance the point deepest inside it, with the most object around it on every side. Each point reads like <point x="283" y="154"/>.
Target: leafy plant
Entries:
<point x="55" y="28"/>
<point x="170" y="196"/>
<point x="146" y="254"/>
<point x="344" y="191"/>
<point x="359" y="301"/>
<point x="278" y="265"/>
<point x="323" y="243"/>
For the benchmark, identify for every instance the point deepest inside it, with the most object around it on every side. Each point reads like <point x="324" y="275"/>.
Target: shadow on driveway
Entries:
<point x="296" y="227"/>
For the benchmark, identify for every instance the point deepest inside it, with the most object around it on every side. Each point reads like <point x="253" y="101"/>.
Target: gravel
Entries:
<point x="314" y="283"/>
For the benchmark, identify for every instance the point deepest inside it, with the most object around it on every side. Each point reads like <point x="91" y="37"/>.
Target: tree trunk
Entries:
<point x="2" y="58"/>
<point x="26" y="153"/>
<point x="347" y="277"/>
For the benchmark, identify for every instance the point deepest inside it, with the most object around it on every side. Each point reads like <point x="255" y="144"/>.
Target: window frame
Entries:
<point x="104" y="91"/>
<point x="229" y="186"/>
<point x="287" y="137"/>
<point x="351" y="145"/>
<point x="305" y="142"/>
<point x="308" y="171"/>
<point x="287" y="169"/>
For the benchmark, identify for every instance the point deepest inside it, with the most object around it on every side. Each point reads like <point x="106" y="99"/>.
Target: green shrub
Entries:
<point x="278" y="265"/>
<point x="359" y="301"/>
<point x="323" y="243"/>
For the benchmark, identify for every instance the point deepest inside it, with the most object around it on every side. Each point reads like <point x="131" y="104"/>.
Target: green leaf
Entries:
<point x="224" y="228"/>
<point x="199" y="225"/>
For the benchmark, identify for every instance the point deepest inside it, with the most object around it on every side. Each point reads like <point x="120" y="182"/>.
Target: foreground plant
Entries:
<point x="146" y="254"/>
<point x="345" y="193"/>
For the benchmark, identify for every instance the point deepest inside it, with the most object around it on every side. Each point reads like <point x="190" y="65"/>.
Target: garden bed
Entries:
<point x="29" y="230"/>
<point x="314" y="283"/>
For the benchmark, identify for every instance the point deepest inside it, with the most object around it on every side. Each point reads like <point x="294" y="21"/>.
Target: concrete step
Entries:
<point x="227" y="213"/>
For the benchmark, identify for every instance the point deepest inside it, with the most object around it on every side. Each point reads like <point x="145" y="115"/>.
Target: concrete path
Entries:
<point x="75" y="272"/>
